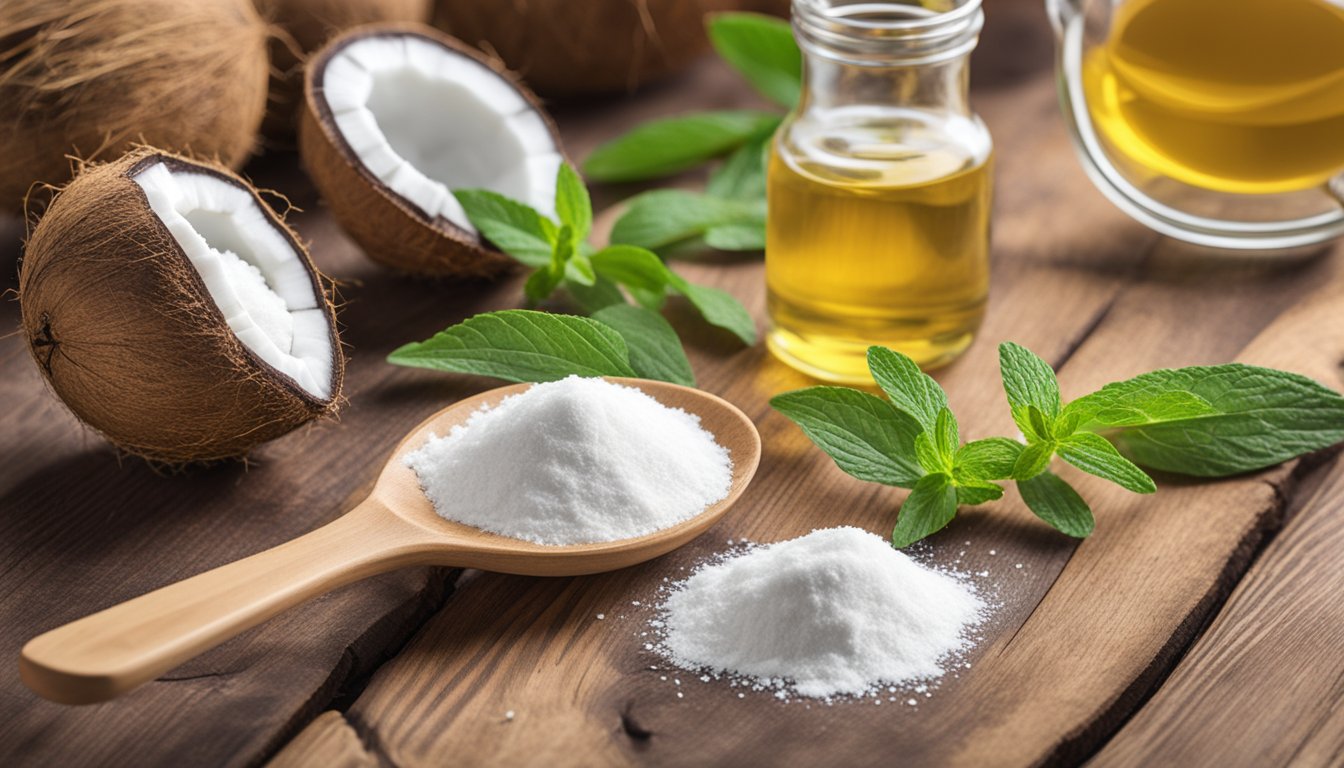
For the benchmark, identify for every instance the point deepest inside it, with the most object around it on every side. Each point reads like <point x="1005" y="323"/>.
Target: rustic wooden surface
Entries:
<point x="1098" y="649"/>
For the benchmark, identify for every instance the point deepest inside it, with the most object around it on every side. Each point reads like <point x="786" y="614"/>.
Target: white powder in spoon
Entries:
<point x="573" y="462"/>
<point x="835" y="612"/>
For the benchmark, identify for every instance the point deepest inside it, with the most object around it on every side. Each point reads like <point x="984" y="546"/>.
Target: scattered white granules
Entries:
<point x="836" y="612"/>
<point x="575" y="461"/>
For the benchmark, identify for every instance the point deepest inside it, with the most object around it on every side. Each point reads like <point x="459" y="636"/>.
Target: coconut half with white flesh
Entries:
<point x="172" y="310"/>
<point x="396" y="117"/>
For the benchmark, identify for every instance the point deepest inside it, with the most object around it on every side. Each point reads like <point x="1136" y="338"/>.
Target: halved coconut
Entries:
<point x="172" y="310"/>
<point x="396" y="117"/>
<point x="307" y="25"/>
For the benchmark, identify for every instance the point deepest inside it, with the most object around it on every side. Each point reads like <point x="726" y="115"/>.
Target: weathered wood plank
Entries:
<point x="328" y="740"/>
<point x="1265" y="684"/>
<point x="1069" y="654"/>
<point x="80" y="529"/>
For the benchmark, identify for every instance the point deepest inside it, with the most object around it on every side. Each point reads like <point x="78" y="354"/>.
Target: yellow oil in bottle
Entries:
<point x="1240" y="96"/>
<point x="880" y="238"/>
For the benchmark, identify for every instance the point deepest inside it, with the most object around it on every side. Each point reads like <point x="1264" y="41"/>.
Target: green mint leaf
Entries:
<point x="1028" y="380"/>
<point x="990" y="459"/>
<point x="649" y="299"/>
<point x="864" y="434"/>
<point x="947" y="434"/>
<point x="664" y="147"/>
<point x="655" y="350"/>
<point x="664" y="217"/>
<point x="926" y="452"/>
<point x="1092" y="453"/>
<point x="601" y="294"/>
<point x="928" y="509"/>
<point x="909" y="388"/>
<point x="512" y="227"/>
<point x="1256" y="418"/>
<point x="737" y="237"/>
<point x="1067" y="423"/>
<point x="632" y="267"/>
<point x="742" y="175"/>
<point x="971" y="495"/>
<point x="1057" y="503"/>
<point x="1041" y="424"/>
<point x="1033" y="460"/>
<point x="541" y="283"/>
<point x="719" y="308"/>
<point x="763" y="50"/>
<point x="572" y="204"/>
<point x="1139" y="401"/>
<point x="521" y="345"/>
<point x="579" y="269"/>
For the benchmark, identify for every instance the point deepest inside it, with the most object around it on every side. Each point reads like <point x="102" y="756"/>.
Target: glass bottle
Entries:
<point x="879" y="189"/>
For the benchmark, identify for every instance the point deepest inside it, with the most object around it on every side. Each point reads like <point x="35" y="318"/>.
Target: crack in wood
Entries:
<point x="353" y="672"/>
<point x="369" y="739"/>
<point x="1294" y="487"/>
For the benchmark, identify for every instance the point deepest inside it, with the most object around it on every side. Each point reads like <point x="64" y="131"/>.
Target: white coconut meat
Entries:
<point x="426" y="119"/>
<point x="256" y="277"/>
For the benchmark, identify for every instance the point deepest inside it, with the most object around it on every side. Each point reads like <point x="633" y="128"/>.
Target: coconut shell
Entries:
<point x="391" y="229"/>
<point x="91" y="78"/>
<point x="126" y="333"/>
<point x="305" y="26"/>
<point x="565" y="47"/>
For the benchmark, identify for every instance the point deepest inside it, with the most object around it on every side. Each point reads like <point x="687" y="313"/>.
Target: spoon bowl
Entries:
<point x="108" y="653"/>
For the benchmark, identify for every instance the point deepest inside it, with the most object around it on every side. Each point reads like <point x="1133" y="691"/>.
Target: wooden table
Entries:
<point x="1200" y="626"/>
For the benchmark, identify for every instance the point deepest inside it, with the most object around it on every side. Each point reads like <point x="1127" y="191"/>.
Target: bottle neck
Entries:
<point x="893" y="53"/>
<point x="940" y="88"/>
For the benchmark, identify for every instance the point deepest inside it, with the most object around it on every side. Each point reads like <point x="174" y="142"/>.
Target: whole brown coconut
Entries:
<point x="92" y="77"/>
<point x="564" y="47"/>
<point x="307" y="25"/>
<point x="125" y="331"/>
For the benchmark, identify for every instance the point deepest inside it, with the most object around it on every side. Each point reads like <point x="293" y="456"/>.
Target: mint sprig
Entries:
<point x="730" y="214"/>
<point x="597" y="281"/>
<point x="1209" y="421"/>
<point x="522" y="345"/>
<point x="670" y="145"/>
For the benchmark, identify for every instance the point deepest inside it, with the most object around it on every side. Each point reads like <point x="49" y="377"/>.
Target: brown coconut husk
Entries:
<point x="90" y="78"/>
<point x="567" y="47"/>
<point x="126" y="333"/>
<point x="304" y="27"/>
<point x="391" y="229"/>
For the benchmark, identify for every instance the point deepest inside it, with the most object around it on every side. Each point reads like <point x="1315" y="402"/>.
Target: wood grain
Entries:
<point x="102" y="656"/>
<point x="1265" y="685"/>
<point x="329" y="741"/>
<point x="1080" y="636"/>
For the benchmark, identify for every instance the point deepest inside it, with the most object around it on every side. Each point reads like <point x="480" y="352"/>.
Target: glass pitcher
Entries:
<point x="1216" y="122"/>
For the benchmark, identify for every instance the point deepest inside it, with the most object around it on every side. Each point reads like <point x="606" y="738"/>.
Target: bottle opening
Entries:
<point x="893" y="33"/>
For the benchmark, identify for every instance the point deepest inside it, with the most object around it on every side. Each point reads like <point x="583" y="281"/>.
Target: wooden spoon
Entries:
<point x="104" y="655"/>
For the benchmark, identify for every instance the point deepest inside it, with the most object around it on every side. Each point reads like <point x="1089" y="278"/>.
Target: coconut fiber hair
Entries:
<point x="91" y="77"/>
<point x="126" y="333"/>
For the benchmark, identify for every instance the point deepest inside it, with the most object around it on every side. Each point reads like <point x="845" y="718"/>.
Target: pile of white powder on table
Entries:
<point x="573" y="462"/>
<point x="836" y="612"/>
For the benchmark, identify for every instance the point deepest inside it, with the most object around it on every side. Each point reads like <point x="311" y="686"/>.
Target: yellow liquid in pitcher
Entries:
<point x="880" y="243"/>
<point x="1241" y="96"/>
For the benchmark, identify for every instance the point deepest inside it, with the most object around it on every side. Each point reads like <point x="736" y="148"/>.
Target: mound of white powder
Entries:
<point x="573" y="462"/>
<point x="835" y="612"/>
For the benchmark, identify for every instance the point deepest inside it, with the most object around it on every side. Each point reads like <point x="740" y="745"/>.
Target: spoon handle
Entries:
<point x="108" y="653"/>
